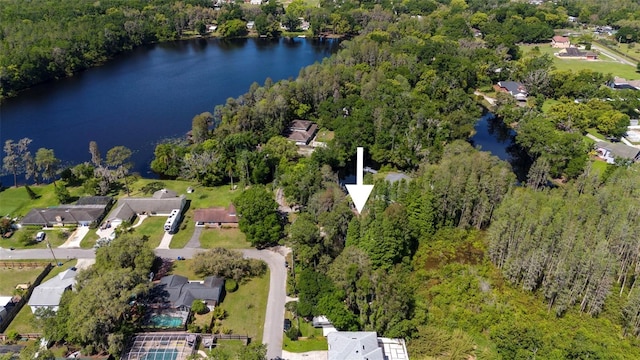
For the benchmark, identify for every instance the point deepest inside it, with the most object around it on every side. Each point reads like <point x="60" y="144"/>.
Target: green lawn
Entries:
<point x="304" y="345"/>
<point x="632" y="50"/>
<point x="9" y="278"/>
<point x="325" y="135"/>
<point x="311" y="339"/>
<point x="153" y="227"/>
<point x="225" y="238"/>
<point x="89" y="240"/>
<point x="16" y="201"/>
<point x="595" y="133"/>
<point x="599" y="166"/>
<point x="202" y="197"/>
<point x="182" y="237"/>
<point x="247" y="307"/>
<point x="25" y="322"/>
<point x="605" y="65"/>
<point x="21" y="239"/>
<point x="183" y="267"/>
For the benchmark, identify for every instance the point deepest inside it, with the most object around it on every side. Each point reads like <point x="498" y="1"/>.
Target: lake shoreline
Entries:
<point x="183" y="38"/>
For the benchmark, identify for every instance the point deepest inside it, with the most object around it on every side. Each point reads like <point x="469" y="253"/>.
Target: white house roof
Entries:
<point x="354" y="345"/>
<point x="49" y="292"/>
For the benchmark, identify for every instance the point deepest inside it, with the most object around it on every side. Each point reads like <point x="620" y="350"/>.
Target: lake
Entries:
<point x="149" y="94"/>
<point x="493" y="135"/>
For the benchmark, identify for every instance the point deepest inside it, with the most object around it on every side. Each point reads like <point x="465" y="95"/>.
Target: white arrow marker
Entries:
<point x="359" y="192"/>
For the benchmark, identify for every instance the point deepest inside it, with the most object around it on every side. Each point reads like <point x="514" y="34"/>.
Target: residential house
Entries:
<point x="609" y="152"/>
<point x="49" y="293"/>
<point x="516" y="89"/>
<point x="302" y="131"/>
<point x="560" y="42"/>
<point x="162" y="203"/>
<point x="623" y="84"/>
<point x="216" y="217"/>
<point x="180" y="293"/>
<point x="573" y="52"/>
<point x="87" y="211"/>
<point x="365" y="345"/>
<point x="6" y="305"/>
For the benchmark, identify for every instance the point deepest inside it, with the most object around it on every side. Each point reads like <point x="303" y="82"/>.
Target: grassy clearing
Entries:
<point x="605" y="66"/>
<point x="153" y="227"/>
<point x="247" y="307"/>
<point x="325" y="135"/>
<point x="225" y="238"/>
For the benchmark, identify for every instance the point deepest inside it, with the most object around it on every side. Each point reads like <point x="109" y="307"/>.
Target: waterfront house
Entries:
<point x="301" y="132"/>
<point x="516" y="89"/>
<point x="609" y="152"/>
<point x="87" y="211"/>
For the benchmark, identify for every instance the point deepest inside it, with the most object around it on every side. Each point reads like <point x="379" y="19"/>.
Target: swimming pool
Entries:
<point x="165" y="321"/>
<point x="161" y="354"/>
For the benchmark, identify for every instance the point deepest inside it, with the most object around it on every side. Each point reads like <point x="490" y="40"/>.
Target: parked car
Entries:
<point x="287" y="324"/>
<point x="40" y="236"/>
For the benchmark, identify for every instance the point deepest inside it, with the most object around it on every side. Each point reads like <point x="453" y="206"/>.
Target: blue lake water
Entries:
<point x="149" y="94"/>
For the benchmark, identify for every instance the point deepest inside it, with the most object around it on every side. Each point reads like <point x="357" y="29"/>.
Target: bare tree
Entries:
<point x="95" y="153"/>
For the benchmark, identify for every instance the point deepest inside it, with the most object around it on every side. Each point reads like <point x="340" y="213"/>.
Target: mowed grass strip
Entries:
<point x="185" y="231"/>
<point x="246" y="308"/>
<point x="153" y="227"/>
<point x="231" y="238"/>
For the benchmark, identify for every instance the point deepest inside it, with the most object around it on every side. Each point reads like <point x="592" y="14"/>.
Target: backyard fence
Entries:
<point x="20" y="264"/>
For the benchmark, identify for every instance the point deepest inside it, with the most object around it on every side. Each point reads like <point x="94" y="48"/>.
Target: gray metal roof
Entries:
<point x="49" y="292"/>
<point x="354" y="345"/>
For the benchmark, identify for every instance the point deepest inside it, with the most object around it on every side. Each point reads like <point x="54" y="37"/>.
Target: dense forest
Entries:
<point x="463" y="260"/>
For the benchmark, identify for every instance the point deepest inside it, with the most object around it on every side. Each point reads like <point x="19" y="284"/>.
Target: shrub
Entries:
<point x="293" y="333"/>
<point x="13" y="335"/>
<point x="193" y="328"/>
<point x="63" y="195"/>
<point x="219" y="313"/>
<point x="231" y="285"/>
<point x="226" y="331"/>
<point x="199" y="307"/>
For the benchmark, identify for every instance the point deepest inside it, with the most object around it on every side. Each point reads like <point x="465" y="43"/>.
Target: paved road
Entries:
<point x="273" y="324"/>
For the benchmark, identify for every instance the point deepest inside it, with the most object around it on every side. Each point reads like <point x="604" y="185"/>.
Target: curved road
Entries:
<point x="273" y="324"/>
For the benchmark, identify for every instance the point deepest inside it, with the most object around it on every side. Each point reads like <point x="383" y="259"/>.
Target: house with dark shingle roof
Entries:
<point x="516" y="89"/>
<point x="160" y="204"/>
<point x="180" y="293"/>
<point x="301" y="131"/>
<point x="85" y="212"/>
<point x="216" y="217"/>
